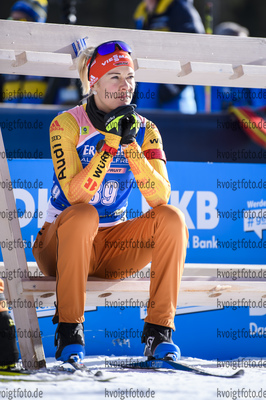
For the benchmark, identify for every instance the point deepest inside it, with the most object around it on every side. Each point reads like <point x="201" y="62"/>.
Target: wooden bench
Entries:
<point x="206" y="290"/>
<point x="45" y="49"/>
<point x="197" y="290"/>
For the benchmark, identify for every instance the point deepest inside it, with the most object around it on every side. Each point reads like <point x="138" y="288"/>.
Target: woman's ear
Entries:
<point x="94" y="88"/>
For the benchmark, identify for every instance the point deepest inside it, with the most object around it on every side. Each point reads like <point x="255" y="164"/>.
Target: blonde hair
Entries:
<point x="83" y="70"/>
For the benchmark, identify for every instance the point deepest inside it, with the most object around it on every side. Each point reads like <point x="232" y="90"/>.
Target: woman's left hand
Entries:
<point x="130" y="126"/>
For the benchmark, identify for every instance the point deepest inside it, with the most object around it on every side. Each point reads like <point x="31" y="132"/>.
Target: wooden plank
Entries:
<point x="145" y="44"/>
<point x="48" y="284"/>
<point x="227" y="271"/>
<point x="163" y="46"/>
<point x="97" y="290"/>
<point x="6" y="59"/>
<point x="36" y="57"/>
<point x="151" y="70"/>
<point x="194" y="291"/>
<point x="221" y="293"/>
<point x="46" y="64"/>
<point x="247" y="75"/>
<point x="14" y="258"/>
<point x="200" y="73"/>
<point x="7" y="55"/>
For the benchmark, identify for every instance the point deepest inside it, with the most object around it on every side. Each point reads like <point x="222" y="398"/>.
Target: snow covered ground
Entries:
<point x="159" y="385"/>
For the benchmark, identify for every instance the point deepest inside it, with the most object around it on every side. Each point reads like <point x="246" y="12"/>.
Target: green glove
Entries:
<point x="130" y="127"/>
<point x="113" y="120"/>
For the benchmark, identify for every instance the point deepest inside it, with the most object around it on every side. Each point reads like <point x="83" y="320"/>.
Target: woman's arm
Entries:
<point x="148" y="166"/>
<point x="78" y="184"/>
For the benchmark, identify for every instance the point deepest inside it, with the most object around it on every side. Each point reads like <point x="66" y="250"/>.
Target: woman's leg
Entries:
<point x="63" y="249"/>
<point x="159" y="236"/>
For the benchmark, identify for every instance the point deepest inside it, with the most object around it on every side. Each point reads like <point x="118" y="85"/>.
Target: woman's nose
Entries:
<point x="125" y="85"/>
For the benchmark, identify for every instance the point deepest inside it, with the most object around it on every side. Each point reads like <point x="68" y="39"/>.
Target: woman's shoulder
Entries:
<point x="76" y="111"/>
<point x="79" y="114"/>
<point x="65" y="119"/>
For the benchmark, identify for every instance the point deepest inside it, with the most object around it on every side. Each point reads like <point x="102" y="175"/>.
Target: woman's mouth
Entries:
<point x="124" y="95"/>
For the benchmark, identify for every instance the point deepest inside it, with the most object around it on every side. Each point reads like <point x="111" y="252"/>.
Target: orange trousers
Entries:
<point x="73" y="248"/>
<point x="3" y="304"/>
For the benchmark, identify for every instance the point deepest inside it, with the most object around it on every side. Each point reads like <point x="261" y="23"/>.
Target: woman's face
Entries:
<point x="115" y="88"/>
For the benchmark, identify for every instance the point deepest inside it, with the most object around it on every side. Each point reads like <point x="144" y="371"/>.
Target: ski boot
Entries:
<point x="69" y="340"/>
<point x="158" y="343"/>
<point x="8" y="345"/>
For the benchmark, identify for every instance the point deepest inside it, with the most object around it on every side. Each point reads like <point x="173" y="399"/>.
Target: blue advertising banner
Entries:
<point x="222" y="334"/>
<point x="225" y="210"/>
<point x="224" y="207"/>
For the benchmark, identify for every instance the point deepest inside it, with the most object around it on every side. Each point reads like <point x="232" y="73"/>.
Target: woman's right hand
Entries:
<point x="114" y="124"/>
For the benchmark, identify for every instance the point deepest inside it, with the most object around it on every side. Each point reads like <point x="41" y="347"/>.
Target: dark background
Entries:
<point x="185" y="137"/>
<point x="118" y="13"/>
